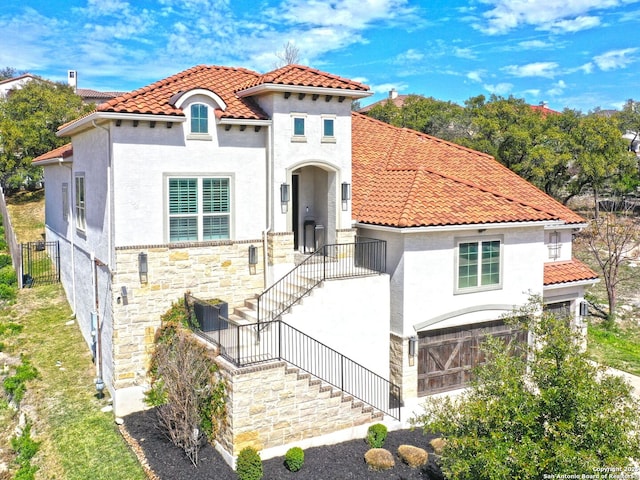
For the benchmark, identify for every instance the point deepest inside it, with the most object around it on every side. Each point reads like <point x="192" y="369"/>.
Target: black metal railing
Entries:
<point x="245" y="345"/>
<point x="40" y="263"/>
<point x="348" y="260"/>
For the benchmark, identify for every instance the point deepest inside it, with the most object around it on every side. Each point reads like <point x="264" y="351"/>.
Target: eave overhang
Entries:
<point x="89" y="121"/>
<point x="275" y="88"/>
<point x="468" y="226"/>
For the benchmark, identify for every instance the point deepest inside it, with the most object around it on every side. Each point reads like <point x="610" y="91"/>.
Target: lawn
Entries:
<point x="77" y="439"/>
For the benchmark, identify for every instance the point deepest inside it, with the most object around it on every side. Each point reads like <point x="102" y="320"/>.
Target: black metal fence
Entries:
<point x="245" y="345"/>
<point x="40" y="263"/>
<point x="364" y="257"/>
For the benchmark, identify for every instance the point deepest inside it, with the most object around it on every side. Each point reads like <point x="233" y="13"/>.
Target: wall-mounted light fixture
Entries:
<point x="584" y="309"/>
<point x="413" y="343"/>
<point x="143" y="267"/>
<point x="124" y="295"/>
<point x="284" y="197"/>
<point x="253" y="255"/>
<point x="346" y="195"/>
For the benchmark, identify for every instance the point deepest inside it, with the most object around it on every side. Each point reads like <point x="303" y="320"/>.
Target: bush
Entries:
<point x="25" y="448"/>
<point x="8" y="292"/>
<point x="5" y="260"/>
<point x="376" y="435"/>
<point x="249" y="464"/>
<point x="413" y="456"/>
<point x="379" y="459"/>
<point x="8" y="276"/>
<point x="16" y="384"/>
<point x="294" y="459"/>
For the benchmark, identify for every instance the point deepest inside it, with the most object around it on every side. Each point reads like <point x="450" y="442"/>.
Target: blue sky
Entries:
<point x="577" y="54"/>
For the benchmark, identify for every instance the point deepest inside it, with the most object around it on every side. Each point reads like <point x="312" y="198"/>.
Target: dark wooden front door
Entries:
<point x="447" y="356"/>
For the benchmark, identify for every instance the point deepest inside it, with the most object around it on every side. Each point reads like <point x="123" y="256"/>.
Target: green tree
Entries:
<point x="8" y="72"/>
<point x="553" y="414"/>
<point x="29" y="118"/>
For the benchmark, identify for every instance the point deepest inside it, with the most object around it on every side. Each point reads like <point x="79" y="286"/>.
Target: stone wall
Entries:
<point x="272" y="405"/>
<point x="211" y="270"/>
<point x="403" y="369"/>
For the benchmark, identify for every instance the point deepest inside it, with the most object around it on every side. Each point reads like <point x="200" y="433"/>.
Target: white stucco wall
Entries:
<point x="564" y="244"/>
<point x="423" y="275"/>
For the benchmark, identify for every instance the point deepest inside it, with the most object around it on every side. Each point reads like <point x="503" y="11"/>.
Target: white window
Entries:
<point x="479" y="266"/>
<point x="65" y="202"/>
<point x="554" y="245"/>
<point x="199" y="118"/>
<point x="80" y="204"/>
<point x="199" y="208"/>
<point x="298" y="125"/>
<point x="328" y="129"/>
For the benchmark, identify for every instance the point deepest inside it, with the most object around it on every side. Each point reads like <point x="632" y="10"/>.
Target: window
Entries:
<point x="199" y="209"/>
<point x="328" y="129"/>
<point x="65" y="202"/>
<point x="299" y="127"/>
<point x="199" y="118"/>
<point x="80" y="205"/>
<point x="554" y="245"/>
<point x="478" y="264"/>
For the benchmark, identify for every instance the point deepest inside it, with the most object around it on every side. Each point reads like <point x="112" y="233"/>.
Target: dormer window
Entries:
<point x="199" y="118"/>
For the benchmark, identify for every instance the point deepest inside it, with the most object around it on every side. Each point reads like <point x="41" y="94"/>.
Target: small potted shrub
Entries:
<point x="294" y="459"/>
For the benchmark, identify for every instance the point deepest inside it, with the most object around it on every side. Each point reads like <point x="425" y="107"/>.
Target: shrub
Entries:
<point x="249" y="464"/>
<point x="25" y="448"/>
<point x="5" y="260"/>
<point x="294" y="459"/>
<point x="438" y="445"/>
<point x="379" y="459"/>
<point x="8" y="276"/>
<point x="413" y="456"/>
<point x="376" y="435"/>
<point x="16" y="384"/>
<point x="8" y="292"/>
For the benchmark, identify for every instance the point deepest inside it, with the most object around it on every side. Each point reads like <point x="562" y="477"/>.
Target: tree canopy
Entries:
<point x="536" y="410"/>
<point x="29" y="118"/>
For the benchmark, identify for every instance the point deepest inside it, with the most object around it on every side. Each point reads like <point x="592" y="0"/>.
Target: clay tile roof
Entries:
<point x="302" y="76"/>
<point x="155" y="98"/>
<point x="568" y="271"/>
<point x="61" y="152"/>
<point x="403" y="178"/>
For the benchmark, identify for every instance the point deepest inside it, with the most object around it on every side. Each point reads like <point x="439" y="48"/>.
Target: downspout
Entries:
<point x="73" y="242"/>
<point x="269" y="212"/>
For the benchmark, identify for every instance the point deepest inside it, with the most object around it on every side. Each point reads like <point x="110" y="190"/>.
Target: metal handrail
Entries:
<point x="344" y="260"/>
<point x="282" y="342"/>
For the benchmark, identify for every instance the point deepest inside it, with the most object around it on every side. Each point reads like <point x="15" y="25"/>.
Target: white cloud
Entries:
<point x="506" y="15"/>
<point x="615" y="59"/>
<point x="558" y="88"/>
<point x="385" y="88"/>
<point x="536" y="69"/>
<point x="534" y="44"/>
<point x="499" y="89"/>
<point x="464" y="53"/>
<point x="410" y="56"/>
<point x="476" y="75"/>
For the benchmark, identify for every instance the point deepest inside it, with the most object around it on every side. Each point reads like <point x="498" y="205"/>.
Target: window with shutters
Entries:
<point x="80" y="203"/>
<point x="199" y="208"/>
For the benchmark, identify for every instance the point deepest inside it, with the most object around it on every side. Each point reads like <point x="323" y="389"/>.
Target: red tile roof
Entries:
<point x="403" y="178"/>
<point x="302" y="76"/>
<point x="568" y="271"/>
<point x="61" y="152"/>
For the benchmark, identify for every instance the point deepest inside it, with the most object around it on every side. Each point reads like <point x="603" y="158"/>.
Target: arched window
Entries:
<point x="199" y="118"/>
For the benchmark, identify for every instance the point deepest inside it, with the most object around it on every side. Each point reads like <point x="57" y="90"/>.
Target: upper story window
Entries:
<point x="554" y="245"/>
<point x="479" y="265"/>
<point x="299" y="127"/>
<point x="80" y="203"/>
<point x="199" y="118"/>
<point x="199" y="208"/>
<point x="328" y="124"/>
<point x="65" y="202"/>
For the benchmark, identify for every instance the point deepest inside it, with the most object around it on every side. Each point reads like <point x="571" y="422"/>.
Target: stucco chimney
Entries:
<point x="72" y="79"/>
<point x="393" y="93"/>
<point x="544" y="104"/>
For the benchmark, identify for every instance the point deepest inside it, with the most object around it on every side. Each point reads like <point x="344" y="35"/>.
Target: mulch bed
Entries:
<point x="334" y="462"/>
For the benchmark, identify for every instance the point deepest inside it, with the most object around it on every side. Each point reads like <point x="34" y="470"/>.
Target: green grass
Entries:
<point x="618" y="348"/>
<point x="77" y="440"/>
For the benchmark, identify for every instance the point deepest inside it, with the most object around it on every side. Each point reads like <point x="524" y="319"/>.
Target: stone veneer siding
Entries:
<point x="403" y="370"/>
<point x="271" y="405"/>
<point x="280" y="248"/>
<point x="207" y="270"/>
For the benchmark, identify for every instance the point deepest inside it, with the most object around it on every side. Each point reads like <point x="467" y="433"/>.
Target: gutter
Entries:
<point x="269" y="206"/>
<point x="470" y="226"/>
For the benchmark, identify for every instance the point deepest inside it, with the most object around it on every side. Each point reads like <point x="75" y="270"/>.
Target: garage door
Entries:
<point x="447" y="356"/>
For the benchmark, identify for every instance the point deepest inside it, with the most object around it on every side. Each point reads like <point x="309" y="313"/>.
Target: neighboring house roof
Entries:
<point x="543" y="109"/>
<point x="62" y="152"/>
<point x="568" y="271"/>
<point x="95" y="96"/>
<point x="394" y="97"/>
<point x="403" y="178"/>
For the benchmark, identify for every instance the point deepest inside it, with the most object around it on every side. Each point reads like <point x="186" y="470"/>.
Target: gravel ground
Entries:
<point x="335" y="462"/>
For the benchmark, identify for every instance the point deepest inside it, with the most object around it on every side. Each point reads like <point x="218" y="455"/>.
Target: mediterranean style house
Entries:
<point x="334" y="239"/>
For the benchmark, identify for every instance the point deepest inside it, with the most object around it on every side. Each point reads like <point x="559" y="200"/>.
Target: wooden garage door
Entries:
<point x="447" y="356"/>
